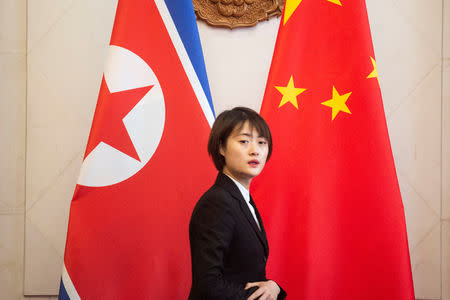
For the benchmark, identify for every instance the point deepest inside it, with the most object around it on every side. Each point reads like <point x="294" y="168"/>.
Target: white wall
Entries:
<point x="12" y="136"/>
<point x="47" y="103"/>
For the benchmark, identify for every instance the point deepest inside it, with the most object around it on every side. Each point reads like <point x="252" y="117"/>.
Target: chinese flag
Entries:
<point x="146" y="162"/>
<point x="329" y="195"/>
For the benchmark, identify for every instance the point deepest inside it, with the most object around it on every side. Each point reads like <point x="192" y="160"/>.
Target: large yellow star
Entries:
<point x="290" y="93"/>
<point x="335" y="2"/>
<point x="291" y="6"/>
<point x="337" y="103"/>
<point x="374" y="73"/>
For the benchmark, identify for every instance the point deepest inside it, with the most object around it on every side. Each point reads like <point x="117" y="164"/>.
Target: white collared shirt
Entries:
<point x="246" y="194"/>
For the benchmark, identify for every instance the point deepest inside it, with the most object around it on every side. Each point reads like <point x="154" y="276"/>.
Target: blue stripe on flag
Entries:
<point x="62" y="292"/>
<point x="183" y="16"/>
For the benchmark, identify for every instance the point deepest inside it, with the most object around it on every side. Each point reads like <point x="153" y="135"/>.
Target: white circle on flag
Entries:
<point x="106" y="165"/>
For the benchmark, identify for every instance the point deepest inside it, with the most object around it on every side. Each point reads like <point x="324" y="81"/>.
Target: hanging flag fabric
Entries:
<point x="146" y="162"/>
<point x="329" y="196"/>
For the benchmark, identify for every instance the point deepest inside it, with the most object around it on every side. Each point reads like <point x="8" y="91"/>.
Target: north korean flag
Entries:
<point x="146" y="162"/>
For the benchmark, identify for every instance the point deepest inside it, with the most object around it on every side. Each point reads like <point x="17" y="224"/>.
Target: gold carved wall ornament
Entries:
<point x="237" y="13"/>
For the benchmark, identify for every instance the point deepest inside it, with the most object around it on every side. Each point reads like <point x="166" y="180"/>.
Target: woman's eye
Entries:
<point x="262" y="142"/>
<point x="243" y="142"/>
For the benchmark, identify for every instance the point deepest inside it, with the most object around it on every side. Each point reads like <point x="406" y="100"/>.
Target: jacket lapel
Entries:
<point x="262" y="231"/>
<point x="224" y="181"/>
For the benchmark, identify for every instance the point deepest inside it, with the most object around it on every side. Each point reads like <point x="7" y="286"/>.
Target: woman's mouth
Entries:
<point x="253" y="163"/>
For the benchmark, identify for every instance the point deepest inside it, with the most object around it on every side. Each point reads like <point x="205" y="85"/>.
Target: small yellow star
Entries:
<point x="290" y="93"/>
<point x="335" y="2"/>
<point x="337" y="103"/>
<point x="291" y="6"/>
<point x="374" y="73"/>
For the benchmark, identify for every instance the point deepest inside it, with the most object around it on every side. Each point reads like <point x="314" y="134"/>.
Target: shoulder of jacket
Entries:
<point x="218" y="195"/>
<point x="215" y="203"/>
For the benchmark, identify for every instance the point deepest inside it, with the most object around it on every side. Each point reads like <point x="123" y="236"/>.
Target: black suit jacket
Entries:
<point x="227" y="248"/>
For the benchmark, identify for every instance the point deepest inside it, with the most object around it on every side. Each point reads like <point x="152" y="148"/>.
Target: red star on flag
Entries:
<point x="108" y="126"/>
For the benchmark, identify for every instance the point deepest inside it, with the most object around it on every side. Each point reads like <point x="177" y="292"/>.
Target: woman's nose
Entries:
<point x="254" y="149"/>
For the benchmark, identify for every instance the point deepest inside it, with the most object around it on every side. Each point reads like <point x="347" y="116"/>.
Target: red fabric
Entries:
<point x="130" y="240"/>
<point x="329" y="196"/>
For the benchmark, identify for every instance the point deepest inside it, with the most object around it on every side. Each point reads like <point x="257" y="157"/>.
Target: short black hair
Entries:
<point x="224" y="125"/>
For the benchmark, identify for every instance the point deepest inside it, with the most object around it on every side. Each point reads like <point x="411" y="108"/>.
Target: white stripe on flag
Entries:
<point x="184" y="57"/>
<point x="68" y="285"/>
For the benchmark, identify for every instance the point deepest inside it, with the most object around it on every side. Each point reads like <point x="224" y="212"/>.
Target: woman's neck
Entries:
<point x="244" y="181"/>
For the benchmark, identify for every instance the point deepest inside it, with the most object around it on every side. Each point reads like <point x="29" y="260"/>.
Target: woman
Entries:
<point x="229" y="247"/>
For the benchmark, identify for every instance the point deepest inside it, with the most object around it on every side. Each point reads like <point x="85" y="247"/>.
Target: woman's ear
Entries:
<point x="221" y="150"/>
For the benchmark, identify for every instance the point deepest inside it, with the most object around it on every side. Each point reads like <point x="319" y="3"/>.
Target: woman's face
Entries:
<point x="245" y="154"/>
